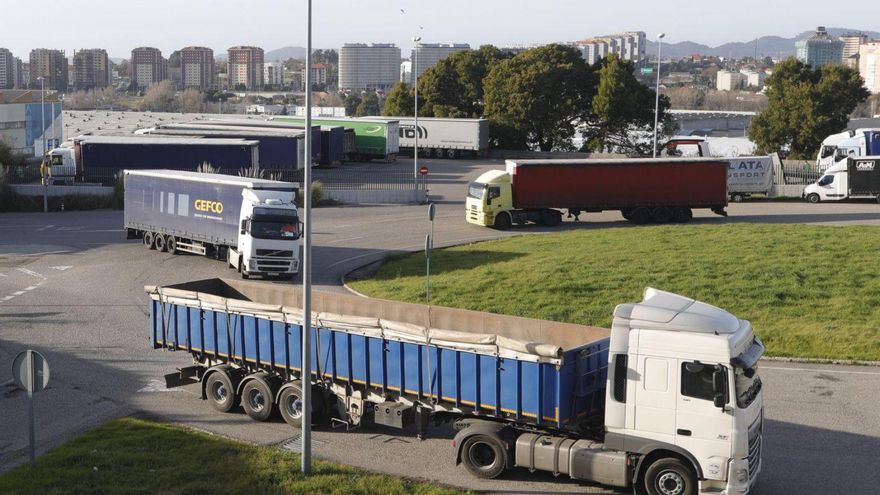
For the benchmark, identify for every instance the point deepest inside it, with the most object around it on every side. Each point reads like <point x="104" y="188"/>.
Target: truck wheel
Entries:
<point x="171" y="243"/>
<point x="161" y="245"/>
<point x="661" y="214"/>
<point x="551" y="218"/>
<point x="682" y="215"/>
<point x="484" y="456"/>
<point x="452" y="154"/>
<point x="813" y="198"/>
<point x="220" y="392"/>
<point x="290" y="404"/>
<point x="149" y="240"/>
<point x="438" y="153"/>
<point x="502" y="221"/>
<point x="670" y="477"/>
<point x="640" y="215"/>
<point x="256" y="399"/>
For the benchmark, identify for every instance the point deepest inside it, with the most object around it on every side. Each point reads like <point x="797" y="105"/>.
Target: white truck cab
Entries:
<point x="268" y="237"/>
<point x="683" y="384"/>
<point x="837" y="148"/>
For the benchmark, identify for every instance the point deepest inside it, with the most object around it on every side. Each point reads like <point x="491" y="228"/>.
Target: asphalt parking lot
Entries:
<point x="72" y="287"/>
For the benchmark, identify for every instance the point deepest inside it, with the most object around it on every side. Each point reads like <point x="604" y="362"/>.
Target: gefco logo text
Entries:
<point x="209" y="206"/>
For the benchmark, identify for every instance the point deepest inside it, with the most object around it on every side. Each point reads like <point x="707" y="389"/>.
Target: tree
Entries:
<point x="351" y="103"/>
<point x="368" y="106"/>
<point x="622" y="110"/>
<point x="191" y="101"/>
<point x="805" y="105"/>
<point x="160" y="97"/>
<point x="400" y="101"/>
<point x="536" y="98"/>
<point x="454" y="86"/>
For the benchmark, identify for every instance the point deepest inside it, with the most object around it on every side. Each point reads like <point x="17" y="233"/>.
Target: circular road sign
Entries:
<point x="423" y="170"/>
<point x="30" y="371"/>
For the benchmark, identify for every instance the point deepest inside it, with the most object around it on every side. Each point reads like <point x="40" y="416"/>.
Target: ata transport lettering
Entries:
<point x="746" y="165"/>
<point x="211" y="206"/>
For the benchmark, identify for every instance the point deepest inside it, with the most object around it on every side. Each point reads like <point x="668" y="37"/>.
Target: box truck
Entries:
<point x="444" y="137"/>
<point x="746" y="175"/>
<point x="103" y="156"/>
<point x="251" y="223"/>
<point x="668" y="401"/>
<point x="642" y="189"/>
<point x="855" y="178"/>
<point x="836" y="148"/>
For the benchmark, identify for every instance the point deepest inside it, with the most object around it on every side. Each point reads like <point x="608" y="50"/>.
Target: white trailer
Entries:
<point x="445" y="137"/>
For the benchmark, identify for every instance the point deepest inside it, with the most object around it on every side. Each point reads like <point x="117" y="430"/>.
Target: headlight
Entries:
<point x="741" y="475"/>
<point x="252" y="264"/>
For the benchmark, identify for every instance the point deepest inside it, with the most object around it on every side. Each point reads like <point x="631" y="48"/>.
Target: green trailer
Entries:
<point x="375" y="138"/>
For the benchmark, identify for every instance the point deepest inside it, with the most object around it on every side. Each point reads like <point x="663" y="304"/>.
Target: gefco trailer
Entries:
<point x="251" y="223"/>
<point x="443" y="137"/>
<point x="668" y="400"/>
<point x="375" y="139"/>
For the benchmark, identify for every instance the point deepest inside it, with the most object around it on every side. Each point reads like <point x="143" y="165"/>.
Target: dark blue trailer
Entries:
<point x="396" y="356"/>
<point x="255" y="126"/>
<point x="332" y="141"/>
<point x="279" y="149"/>
<point x="109" y="153"/>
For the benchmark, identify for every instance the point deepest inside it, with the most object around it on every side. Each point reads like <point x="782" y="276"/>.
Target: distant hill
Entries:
<point x="282" y="54"/>
<point x="773" y="46"/>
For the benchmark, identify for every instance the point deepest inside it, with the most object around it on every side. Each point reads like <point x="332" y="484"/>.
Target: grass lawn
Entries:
<point x="134" y="456"/>
<point x="809" y="291"/>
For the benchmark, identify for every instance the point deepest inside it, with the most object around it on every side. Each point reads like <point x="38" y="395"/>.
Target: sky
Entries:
<point x="119" y="26"/>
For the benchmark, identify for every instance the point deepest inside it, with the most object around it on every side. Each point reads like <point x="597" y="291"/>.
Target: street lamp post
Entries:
<point x="44" y="168"/>
<point x="415" y="72"/>
<point x="657" y="91"/>
<point x="306" y="459"/>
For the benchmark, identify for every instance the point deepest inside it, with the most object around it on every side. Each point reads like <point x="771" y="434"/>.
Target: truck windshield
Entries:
<point x="825" y="180"/>
<point x="747" y="384"/>
<point x="476" y="190"/>
<point x="828" y="151"/>
<point x="274" y="229"/>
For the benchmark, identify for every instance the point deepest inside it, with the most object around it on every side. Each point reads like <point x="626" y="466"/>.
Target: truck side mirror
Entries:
<point x="720" y="389"/>
<point x="243" y="227"/>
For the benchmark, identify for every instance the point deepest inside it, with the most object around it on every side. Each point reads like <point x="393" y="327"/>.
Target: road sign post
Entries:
<point x="429" y="245"/>
<point x="30" y="370"/>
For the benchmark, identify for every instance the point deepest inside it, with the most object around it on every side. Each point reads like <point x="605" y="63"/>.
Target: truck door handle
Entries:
<point x="685" y="433"/>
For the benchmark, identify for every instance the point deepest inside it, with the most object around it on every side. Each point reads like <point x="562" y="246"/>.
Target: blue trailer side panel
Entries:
<point x="487" y="385"/>
<point x="120" y="156"/>
<point x="332" y="144"/>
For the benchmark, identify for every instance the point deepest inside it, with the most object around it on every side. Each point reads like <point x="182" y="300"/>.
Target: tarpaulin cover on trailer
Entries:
<point x="473" y="331"/>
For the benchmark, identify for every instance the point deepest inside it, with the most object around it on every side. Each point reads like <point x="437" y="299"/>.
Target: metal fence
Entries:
<point x="795" y="175"/>
<point x="332" y="179"/>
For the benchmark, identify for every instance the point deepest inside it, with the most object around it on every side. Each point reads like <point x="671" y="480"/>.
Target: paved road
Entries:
<point x="72" y="288"/>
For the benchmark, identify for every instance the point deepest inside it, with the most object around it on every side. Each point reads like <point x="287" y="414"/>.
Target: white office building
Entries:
<point x="729" y="80"/>
<point x="426" y="55"/>
<point x="363" y="67"/>
<point x="628" y="46"/>
<point x="273" y="75"/>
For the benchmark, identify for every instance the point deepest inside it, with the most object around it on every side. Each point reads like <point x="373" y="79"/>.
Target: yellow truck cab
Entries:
<point x="487" y="197"/>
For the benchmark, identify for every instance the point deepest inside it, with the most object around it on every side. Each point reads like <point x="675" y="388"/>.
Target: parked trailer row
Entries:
<point x="669" y="400"/>
<point x="657" y="190"/>
<point x="375" y="139"/>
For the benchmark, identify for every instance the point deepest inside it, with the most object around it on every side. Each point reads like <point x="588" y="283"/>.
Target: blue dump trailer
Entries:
<point x="110" y="153"/>
<point x="679" y="411"/>
<point x="396" y="355"/>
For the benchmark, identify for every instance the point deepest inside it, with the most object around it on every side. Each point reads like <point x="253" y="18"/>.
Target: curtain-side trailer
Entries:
<point x="444" y="137"/>
<point x="374" y="138"/>
<point x="668" y="400"/>
<point x="251" y="223"/>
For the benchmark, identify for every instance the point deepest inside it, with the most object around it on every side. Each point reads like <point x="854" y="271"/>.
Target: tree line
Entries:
<point x="539" y="99"/>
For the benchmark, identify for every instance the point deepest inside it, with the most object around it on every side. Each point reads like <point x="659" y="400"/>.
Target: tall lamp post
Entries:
<point x="44" y="169"/>
<point x="657" y="90"/>
<point x="415" y="73"/>
<point x="306" y="458"/>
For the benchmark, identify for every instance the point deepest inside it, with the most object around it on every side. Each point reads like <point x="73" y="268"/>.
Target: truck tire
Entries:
<point x="502" y="221"/>
<point x="484" y="456"/>
<point x="670" y="476"/>
<point x="257" y="399"/>
<point x="161" y="245"/>
<point x="438" y="153"/>
<point x="171" y="244"/>
<point x="290" y="404"/>
<point x="640" y="215"/>
<point x="452" y="154"/>
<point x="682" y="215"/>
<point x="813" y="198"/>
<point x="220" y="392"/>
<point x="661" y="214"/>
<point x="551" y="218"/>
<point x="149" y="240"/>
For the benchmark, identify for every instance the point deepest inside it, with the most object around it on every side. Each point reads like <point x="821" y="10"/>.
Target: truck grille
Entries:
<point x="755" y="439"/>
<point x="275" y="263"/>
<point x="275" y="253"/>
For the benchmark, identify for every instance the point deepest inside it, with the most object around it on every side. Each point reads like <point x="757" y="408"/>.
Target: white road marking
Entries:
<point x="3" y="275"/>
<point x="35" y="254"/>
<point x="6" y="298"/>
<point x="813" y="370"/>
<point x="343" y="240"/>
<point x="31" y="273"/>
<point x="18" y="293"/>
<point x="157" y="386"/>
<point x="47" y="227"/>
<point x="61" y="268"/>
<point x="31" y="287"/>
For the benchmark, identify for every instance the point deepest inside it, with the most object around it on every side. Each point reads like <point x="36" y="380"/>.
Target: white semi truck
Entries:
<point x="252" y="223"/>
<point x="836" y="148"/>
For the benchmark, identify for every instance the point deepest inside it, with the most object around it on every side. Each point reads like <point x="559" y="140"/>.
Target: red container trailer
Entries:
<point x="643" y="190"/>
